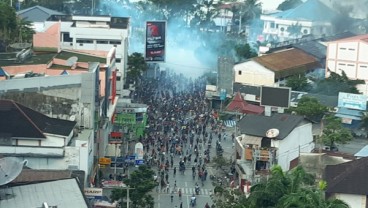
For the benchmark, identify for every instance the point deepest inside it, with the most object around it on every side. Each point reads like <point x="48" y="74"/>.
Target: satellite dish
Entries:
<point x="10" y="168"/>
<point x="71" y="61"/>
<point x="72" y="118"/>
<point x="272" y="133"/>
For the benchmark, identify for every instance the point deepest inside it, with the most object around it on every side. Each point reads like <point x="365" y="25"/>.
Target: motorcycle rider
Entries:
<point x="193" y="199"/>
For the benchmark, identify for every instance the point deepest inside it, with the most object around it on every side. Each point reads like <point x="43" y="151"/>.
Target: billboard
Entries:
<point x="155" y="47"/>
<point x="352" y="101"/>
<point x="275" y="96"/>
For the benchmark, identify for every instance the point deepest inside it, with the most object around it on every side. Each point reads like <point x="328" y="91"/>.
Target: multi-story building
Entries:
<point x="81" y="92"/>
<point x="95" y="35"/>
<point x="312" y="17"/>
<point x="349" y="55"/>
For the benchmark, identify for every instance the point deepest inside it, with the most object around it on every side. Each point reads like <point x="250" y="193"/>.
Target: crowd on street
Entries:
<point x="181" y="127"/>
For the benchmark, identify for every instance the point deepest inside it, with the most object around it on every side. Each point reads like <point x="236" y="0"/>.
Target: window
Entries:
<point x="342" y="48"/>
<point x="102" y="42"/>
<point x="114" y="42"/>
<point x="342" y="64"/>
<point x="84" y="41"/>
<point x="350" y="64"/>
<point x="272" y="25"/>
<point x="67" y="38"/>
<point x="363" y="66"/>
<point x="239" y="72"/>
<point x="351" y="49"/>
<point x="117" y="60"/>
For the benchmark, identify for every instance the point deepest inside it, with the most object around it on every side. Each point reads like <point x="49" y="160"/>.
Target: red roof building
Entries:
<point x="241" y="106"/>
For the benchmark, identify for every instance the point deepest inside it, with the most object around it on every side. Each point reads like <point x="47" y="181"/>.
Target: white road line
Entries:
<point x="188" y="202"/>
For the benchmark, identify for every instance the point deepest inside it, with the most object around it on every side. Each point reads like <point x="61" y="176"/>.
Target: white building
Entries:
<point x="273" y="69"/>
<point x="95" y="35"/>
<point x="313" y="17"/>
<point x="349" y="55"/>
<point x="256" y="153"/>
<point x="69" y="146"/>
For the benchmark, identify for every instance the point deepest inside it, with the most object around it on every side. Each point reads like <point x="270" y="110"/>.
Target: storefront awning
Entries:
<point x="349" y="113"/>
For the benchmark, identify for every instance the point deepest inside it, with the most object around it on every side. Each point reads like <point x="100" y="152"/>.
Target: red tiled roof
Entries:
<point x="239" y="105"/>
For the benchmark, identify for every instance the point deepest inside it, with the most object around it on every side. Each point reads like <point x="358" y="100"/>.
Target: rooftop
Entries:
<point x="258" y="125"/>
<point x="37" y="13"/>
<point x="17" y="120"/>
<point x="363" y="38"/>
<point x="285" y="60"/>
<point x="61" y="193"/>
<point x="348" y="178"/>
<point x="321" y="12"/>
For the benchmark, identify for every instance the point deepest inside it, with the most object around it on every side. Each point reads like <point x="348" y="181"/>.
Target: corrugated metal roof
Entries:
<point x="62" y="193"/>
<point x="37" y="13"/>
<point x="285" y="60"/>
<point x="258" y="125"/>
<point x="311" y="10"/>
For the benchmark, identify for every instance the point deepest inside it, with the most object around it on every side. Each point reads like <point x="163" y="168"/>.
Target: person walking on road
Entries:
<point x="174" y="171"/>
<point x="179" y="192"/>
<point x="181" y="204"/>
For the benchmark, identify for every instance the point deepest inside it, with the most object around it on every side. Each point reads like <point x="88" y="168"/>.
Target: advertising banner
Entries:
<point x="139" y="151"/>
<point x="155" y="48"/>
<point x="352" y="101"/>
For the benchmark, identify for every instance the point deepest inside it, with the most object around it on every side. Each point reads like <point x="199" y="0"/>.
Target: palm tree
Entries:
<point x="289" y="190"/>
<point x="249" y="10"/>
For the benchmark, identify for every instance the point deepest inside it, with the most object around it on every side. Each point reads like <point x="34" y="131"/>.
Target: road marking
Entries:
<point x="188" y="202"/>
<point x="158" y="204"/>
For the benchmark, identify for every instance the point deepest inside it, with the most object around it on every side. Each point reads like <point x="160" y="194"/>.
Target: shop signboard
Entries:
<point x="352" y="101"/>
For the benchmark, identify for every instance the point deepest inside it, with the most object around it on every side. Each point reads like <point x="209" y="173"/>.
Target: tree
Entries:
<point x="24" y="31"/>
<point x="142" y="182"/>
<point x="310" y="107"/>
<point x="298" y="82"/>
<point x="244" y="51"/>
<point x="333" y="132"/>
<point x="8" y="22"/>
<point x="295" y="30"/>
<point x="295" y="188"/>
<point x="289" y="4"/>
<point x="136" y="66"/>
<point x="336" y="83"/>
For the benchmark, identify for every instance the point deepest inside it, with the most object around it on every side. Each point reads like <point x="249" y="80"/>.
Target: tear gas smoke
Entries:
<point x="184" y="47"/>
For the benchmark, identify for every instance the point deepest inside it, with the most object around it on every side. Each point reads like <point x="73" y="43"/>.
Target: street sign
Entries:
<point x="222" y="94"/>
<point x="131" y="157"/>
<point x="139" y="162"/>
<point x="104" y="161"/>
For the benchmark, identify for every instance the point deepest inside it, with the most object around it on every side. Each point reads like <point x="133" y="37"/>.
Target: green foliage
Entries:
<point x="333" y="132"/>
<point x="244" y="51"/>
<point x="310" y="107"/>
<point x="289" y="4"/>
<point x="336" y="83"/>
<point x="142" y="182"/>
<point x="295" y="30"/>
<point x="8" y="23"/>
<point x="298" y="82"/>
<point x="136" y="66"/>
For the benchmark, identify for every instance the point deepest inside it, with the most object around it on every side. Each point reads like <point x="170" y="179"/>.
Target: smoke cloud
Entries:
<point x="186" y="50"/>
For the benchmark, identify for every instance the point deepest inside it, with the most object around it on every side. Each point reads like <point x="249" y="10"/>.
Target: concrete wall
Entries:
<point x="252" y="73"/>
<point x="315" y="163"/>
<point x="354" y="201"/>
<point x="298" y="141"/>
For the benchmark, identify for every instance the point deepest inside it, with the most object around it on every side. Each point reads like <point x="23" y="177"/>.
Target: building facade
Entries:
<point x="349" y="55"/>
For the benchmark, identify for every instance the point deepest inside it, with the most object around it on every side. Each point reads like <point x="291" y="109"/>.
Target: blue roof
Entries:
<point x="64" y="72"/>
<point x="311" y="10"/>
<point x="3" y="73"/>
<point x="363" y="152"/>
<point x="349" y="113"/>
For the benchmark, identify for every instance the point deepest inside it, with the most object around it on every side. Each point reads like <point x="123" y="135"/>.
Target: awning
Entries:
<point x="349" y="113"/>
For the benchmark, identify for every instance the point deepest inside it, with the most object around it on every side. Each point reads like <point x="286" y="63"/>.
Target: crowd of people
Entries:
<point x="180" y="125"/>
